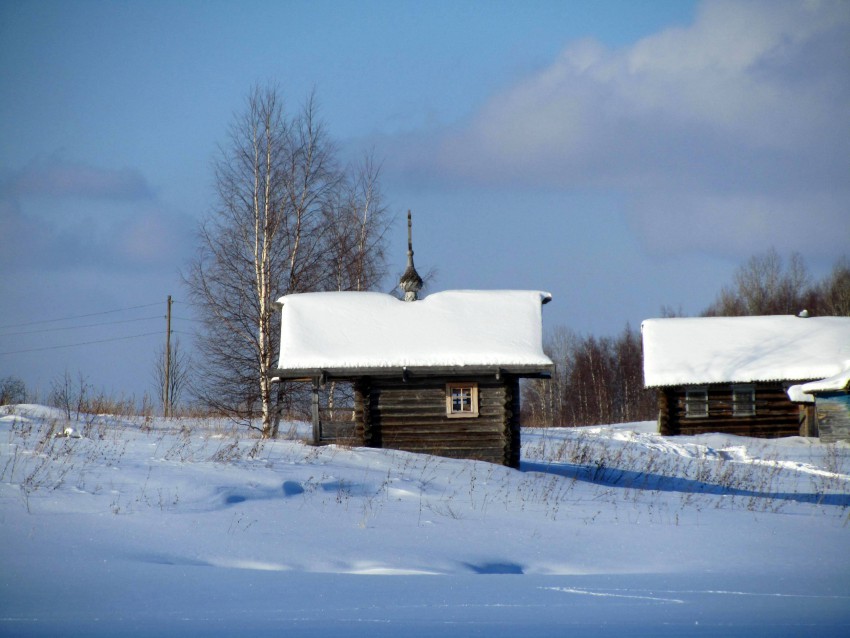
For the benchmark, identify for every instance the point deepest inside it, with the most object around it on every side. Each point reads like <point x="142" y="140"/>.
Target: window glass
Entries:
<point x="461" y="399"/>
<point x="696" y="403"/>
<point x="743" y="400"/>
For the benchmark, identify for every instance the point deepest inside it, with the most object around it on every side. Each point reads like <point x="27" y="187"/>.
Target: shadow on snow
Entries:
<point x="630" y="479"/>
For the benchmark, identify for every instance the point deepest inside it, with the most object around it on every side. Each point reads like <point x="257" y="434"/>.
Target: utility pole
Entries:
<point x="166" y="399"/>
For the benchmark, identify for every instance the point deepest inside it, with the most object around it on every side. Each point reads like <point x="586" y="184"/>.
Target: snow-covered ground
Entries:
<point x="137" y="528"/>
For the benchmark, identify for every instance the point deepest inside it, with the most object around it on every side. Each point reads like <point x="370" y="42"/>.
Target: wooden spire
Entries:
<point x="410" y="282"/>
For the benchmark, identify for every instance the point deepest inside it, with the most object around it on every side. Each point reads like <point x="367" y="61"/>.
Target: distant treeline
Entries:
<point x="599" y="380"/>
<point x="596" y="380"/>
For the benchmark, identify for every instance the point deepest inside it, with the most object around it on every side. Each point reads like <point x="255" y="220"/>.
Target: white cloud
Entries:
<point x="59" y="215"/>
<point x="57" y="178"/>
<point x="740" y="117"/>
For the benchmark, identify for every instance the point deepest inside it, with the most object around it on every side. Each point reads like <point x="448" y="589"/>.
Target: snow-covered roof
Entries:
<point x="835" y="383"/>
<point x="348" y="331"/>
<point x="684" y="351"/>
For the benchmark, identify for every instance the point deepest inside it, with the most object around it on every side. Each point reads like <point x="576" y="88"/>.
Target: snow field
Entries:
<point x="140" y="522"/>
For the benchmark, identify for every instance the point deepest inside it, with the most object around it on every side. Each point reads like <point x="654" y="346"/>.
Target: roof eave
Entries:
<point x="405" y="372"/>
<point x="693" y="382"/>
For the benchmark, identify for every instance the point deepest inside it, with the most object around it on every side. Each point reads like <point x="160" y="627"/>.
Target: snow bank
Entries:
<point x="683" y="351"/>
<point x="332" y="330"/>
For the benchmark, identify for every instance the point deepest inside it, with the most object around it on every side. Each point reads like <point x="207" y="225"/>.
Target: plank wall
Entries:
<point x="833" y="415"/>
<point x="776" y="416"/>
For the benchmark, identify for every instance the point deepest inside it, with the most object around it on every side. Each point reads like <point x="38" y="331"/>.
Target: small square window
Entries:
<point x="743" y="400"/>
<point x="461" y="400"/>
<point x="696" y="403"/>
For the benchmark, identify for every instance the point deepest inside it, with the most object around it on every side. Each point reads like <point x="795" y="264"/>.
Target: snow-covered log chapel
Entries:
<point x="437" y="375"/>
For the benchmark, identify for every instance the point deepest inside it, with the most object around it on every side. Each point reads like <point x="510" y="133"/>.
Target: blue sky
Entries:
<point x="621" y="155"/>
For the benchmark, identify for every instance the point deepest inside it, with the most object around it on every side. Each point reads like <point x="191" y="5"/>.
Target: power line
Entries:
<point x="194" y="304"/>
<point x="86" y="343"/>
<point x="88" y="325"/>
<point x="91" y="314"/>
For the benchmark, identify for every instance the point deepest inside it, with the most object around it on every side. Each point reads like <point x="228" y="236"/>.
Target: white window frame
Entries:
<point x="692" y="401"/>
<point x="455" y="387"/>
<point x="746" y="407"/>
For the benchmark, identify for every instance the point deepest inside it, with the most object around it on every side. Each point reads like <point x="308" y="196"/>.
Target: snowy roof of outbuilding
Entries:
<point x="686" y="351"/>
<point x="835" y="383"/>
<point x="804" y="393"/>
<point x="369" y="332"/>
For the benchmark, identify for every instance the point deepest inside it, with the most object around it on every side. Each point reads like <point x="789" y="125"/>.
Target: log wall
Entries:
<point x="411" y="416"/>
<point x="776" y="416"/>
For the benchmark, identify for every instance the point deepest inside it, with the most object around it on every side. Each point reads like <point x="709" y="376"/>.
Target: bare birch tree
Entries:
<point x="179" y="366"/>
<point x="268" y="236"/>
<point x="765" y="285"/>
<point x="357" y="222"/>
<point x="834" y="292"/>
